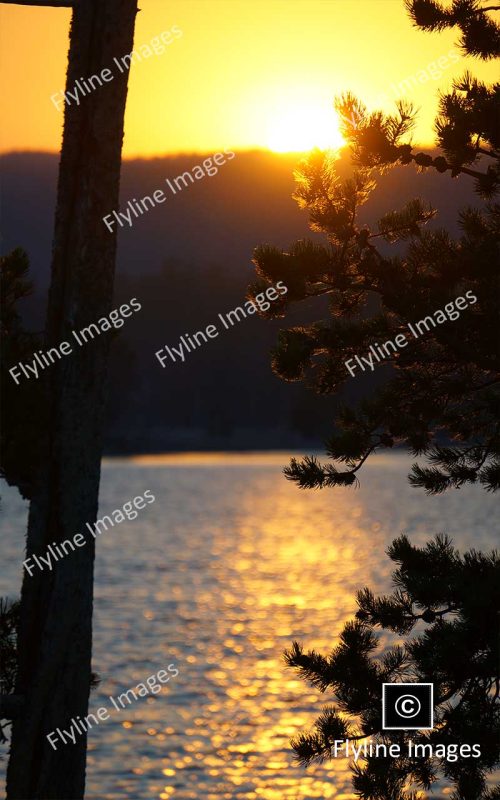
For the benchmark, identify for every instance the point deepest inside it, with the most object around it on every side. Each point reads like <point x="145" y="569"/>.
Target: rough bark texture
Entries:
<point x="55" y="638"/>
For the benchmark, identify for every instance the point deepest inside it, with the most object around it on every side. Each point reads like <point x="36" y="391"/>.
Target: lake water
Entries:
<point x="219" y="575"/>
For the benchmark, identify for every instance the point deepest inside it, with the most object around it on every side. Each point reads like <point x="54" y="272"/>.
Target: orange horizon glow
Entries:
<point x="245" y="75"/>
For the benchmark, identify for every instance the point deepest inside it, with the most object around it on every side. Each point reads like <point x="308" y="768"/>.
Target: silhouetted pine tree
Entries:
<point x="9" y="619"/>
<point x="21" y="406"/>
<point x="443" y="383"/>
<point x="53" y="676"/>
<point x="451" y="604"/>
<point x="20" y="424"/>
<point x="442" y="621"/>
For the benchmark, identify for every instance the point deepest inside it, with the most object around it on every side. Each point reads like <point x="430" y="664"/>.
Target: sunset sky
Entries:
<point x="244" y="74"/>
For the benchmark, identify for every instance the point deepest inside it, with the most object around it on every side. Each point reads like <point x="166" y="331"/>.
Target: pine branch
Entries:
<point x="459" y="656"/>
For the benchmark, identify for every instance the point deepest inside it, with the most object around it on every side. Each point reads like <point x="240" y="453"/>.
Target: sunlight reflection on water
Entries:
<point x="219" y="575"/>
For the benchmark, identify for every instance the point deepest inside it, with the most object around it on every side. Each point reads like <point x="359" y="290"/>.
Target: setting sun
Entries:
<point x="304" y="127"/>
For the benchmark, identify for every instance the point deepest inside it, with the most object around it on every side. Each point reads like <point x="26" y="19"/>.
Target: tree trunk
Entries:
<point x="55" y="637"/>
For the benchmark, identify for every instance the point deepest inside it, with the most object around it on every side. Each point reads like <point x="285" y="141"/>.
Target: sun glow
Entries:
<point x="304" y="127"/>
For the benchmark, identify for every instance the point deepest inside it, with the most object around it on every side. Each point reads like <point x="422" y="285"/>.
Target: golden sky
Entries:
<point x="244" y="73"/>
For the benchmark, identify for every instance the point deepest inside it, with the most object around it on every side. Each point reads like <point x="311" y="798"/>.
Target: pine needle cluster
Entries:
<point x="439" y="397"/>
<point x="451" y="635"/>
